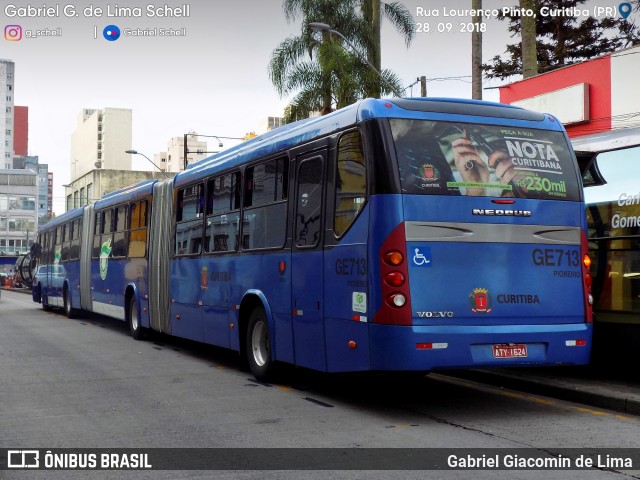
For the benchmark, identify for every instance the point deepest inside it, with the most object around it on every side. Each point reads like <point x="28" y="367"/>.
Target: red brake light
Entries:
<point x="395" y="279"/>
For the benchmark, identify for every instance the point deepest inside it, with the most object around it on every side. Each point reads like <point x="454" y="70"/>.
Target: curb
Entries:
<point x="19" y="290"/>
<point x="564" y="390"/>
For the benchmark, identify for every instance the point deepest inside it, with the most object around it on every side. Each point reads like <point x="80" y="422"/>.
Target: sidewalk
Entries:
<point x="598" y="386"/>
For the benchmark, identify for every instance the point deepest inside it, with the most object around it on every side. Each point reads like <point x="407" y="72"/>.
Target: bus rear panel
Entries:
<point x="480" y="260"/>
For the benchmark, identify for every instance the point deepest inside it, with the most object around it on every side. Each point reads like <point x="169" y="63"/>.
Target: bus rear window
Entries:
<point x="448" y="158"/>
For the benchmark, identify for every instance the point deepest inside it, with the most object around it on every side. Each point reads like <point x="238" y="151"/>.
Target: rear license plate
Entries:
<point x="510" y="351"/>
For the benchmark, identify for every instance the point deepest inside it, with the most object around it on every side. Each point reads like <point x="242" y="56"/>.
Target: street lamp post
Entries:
<point x="135" y="152"/>
<point x="323" y="27"/>
<point x="186" y="147"/>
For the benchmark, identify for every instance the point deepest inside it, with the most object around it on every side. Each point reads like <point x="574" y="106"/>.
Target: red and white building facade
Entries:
<point x="593" y="98"/>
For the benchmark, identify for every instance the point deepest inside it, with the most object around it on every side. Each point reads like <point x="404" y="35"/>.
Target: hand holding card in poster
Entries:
<point x="473" y="169"/>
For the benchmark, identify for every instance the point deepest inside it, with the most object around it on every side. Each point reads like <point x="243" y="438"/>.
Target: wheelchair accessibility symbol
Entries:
<point x="422" y="258"/>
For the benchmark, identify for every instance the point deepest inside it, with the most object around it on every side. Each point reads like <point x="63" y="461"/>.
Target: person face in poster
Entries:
<point x="474" y="169"/>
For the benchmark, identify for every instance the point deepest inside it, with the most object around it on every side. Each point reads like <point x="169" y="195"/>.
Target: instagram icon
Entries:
<point x="13" y="33"/>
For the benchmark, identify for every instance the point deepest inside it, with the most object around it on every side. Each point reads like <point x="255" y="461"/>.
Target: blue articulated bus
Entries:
<point x="57" y="280"/>
<point x="403" y="234"/>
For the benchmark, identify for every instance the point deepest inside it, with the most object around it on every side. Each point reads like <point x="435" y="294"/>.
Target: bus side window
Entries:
<point x="223" y="214"/>
<point x="106" y="239"/>
<point x="74" y="254"/>
<point x="189" y="220"/>
<point x="120" y="222"/>
<point x="265" y="202"/>
<point x="351" y="182"/>
<point x="309" y="205"/>
<point x="57" y="255"/>
<point x="138" y="227"/>
<point x="66" y="241"/>
<point x="97" y="229"/>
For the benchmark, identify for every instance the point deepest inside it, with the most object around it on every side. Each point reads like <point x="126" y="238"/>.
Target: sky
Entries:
<point x="214" y="80"/>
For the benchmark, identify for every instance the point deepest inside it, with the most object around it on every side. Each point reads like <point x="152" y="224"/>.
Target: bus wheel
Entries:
<point x="135" y="329"/>
<point x="67" y="303"/>
<point x="259" y="346"/>
<point x="43" y="300"/>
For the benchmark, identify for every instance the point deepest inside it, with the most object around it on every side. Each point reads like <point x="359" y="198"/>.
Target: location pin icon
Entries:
<point x="625" y="9"/>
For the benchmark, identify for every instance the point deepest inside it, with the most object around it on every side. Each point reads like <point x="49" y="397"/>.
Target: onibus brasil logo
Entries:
<point x="105" y="251"/>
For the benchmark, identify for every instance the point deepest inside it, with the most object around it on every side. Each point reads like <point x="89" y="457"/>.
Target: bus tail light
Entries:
<point x="396" y="300"/>
<point x="586" y="279"/>
<point x="394" y="272"/>
<point x="394" y="279"/>
<point x="393" y="258"/>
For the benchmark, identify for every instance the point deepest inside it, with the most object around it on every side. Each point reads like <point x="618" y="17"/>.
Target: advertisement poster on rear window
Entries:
<point x="483" y="160"/>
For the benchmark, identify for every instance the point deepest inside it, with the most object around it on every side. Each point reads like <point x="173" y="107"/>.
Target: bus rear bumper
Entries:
<point x="436" y="347"/>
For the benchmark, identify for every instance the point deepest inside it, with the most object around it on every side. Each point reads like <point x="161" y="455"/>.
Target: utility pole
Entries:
<point x="529" y="52"/>
<point x="423" y="86"/>
<point x="476" y="53"/>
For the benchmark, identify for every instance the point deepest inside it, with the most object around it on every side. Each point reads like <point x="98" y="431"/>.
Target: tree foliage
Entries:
<point x="564" y="40"/>
<point x="325" y="73"/>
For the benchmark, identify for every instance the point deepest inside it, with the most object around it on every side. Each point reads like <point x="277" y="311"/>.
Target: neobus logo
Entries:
<point x="501" y="213"/>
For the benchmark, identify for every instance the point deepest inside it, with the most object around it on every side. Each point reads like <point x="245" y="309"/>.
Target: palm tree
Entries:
<point x="318" y="67"/>
<point x="396" y="13"/>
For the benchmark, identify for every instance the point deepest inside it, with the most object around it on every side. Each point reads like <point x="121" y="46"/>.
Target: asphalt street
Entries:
<point x="84" y="383"/>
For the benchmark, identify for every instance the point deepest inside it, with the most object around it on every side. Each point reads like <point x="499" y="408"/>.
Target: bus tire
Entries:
<point x="135" y="329"/>
<point x="43" y="300"/>
<point x="68" y="310"/>
<point x="258" y="345"/>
